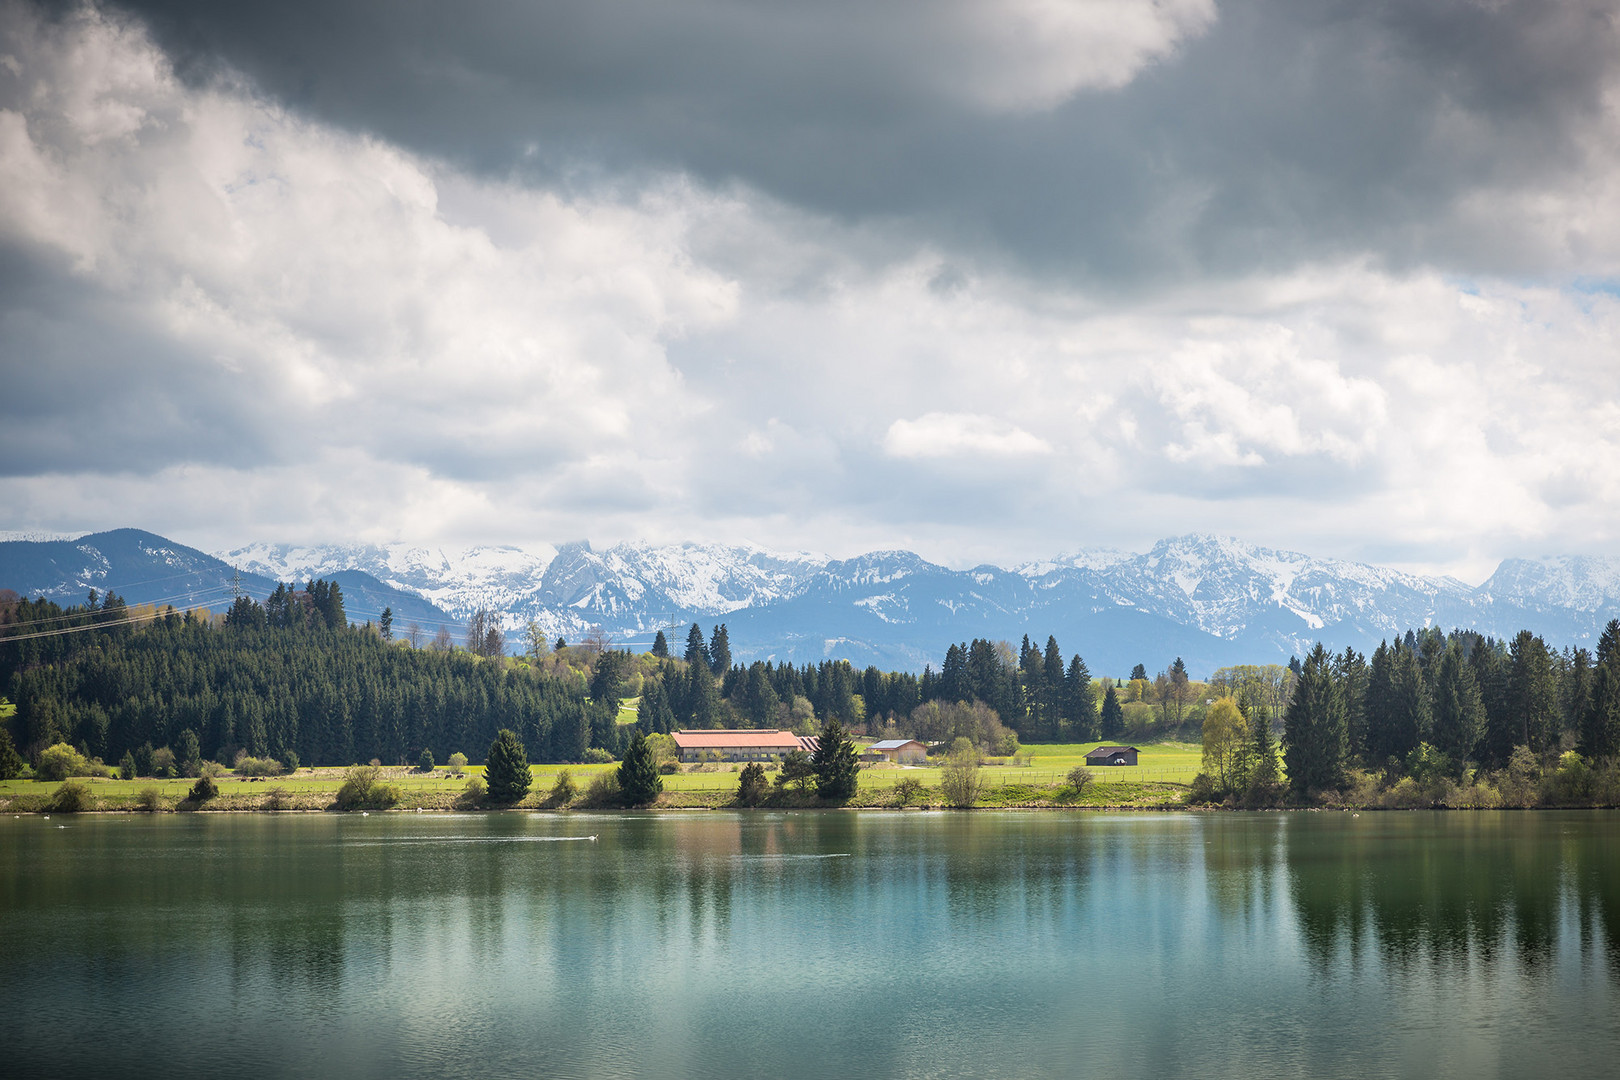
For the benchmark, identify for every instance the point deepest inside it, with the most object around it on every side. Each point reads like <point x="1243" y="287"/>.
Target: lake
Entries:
<point x="830" y="944"/>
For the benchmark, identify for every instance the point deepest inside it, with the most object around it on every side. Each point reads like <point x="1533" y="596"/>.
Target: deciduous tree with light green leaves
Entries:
<point x="1226" y="736"/>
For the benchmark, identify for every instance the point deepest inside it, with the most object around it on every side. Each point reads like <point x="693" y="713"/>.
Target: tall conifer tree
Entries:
<point x="720" y="651"/>
<point x="697" y="652"/>
<point x="1458" y="713"/>
<point x="639" y="782"/>
<point x="1314" y="734"/>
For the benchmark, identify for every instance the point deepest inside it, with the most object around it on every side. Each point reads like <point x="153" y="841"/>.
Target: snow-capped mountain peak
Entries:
<point x="1257" y="601"/>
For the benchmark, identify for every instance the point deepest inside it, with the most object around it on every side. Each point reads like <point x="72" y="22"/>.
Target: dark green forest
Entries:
<point x="293" y="679"/>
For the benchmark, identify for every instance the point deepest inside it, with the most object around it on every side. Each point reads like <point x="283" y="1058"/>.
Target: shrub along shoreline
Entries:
<point x="407" y="791"/>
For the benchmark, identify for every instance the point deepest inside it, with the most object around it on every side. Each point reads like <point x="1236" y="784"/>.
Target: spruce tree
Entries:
<point x="639" y="782"/>
<point x="752" y="787"/>
<point x="1079" y="702"/>
<point x="1458" y="713"/>
<point x="697" y="652"/>
<point x="1577" y="691"/>
<point x="1490" y="675"/>
<point x="506" y="772"/>
<point x="1113" y="715"/>
<point x="660" y="646"/>
<point x="835" y="764"/>
<point x="1600" y="729"/>
<point x="11" y="762"/>
<point x="1350" y="669"/>
<point x="702" y="697"/>
<point x="1314" y="730"/>
<point x="1378" y="707"/>
<point x="1409" y="717"/>
<point x="720" y="651"/>
<point x="953" y="677"/>
<point x="1262" y="780"/>
<point x="1532" y="695"/>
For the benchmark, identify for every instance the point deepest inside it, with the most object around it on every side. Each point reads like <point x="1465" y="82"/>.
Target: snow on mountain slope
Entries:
<point x="621" y="582"/>
<point x="1222" y="586"/>
<point x="1266" y="601"/>
<point x="1580" y="582"/>
<point x="458" y="581"/>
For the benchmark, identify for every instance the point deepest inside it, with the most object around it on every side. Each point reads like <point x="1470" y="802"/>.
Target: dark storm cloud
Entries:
<point x="1285" y="131"/>
<point x="88" y="386"/>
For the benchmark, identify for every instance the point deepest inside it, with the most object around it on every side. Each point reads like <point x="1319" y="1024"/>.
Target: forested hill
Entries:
<point x="329" y="695"/>
<point x="146" y="568"/>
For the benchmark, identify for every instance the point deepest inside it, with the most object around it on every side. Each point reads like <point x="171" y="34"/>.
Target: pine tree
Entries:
<point x="11" y="762"/>
<point x="697" y="652"/>
<point x="1489" y="662"/>
<point x="720" y="651"/>
<point x="1179" y="687"/>
<point x="1262" y="763"/>
<point x="1577" y="691"/>
<point x="654" y="714"/>
<point x="1458" y="712"/>
<point x="953" y="678"/>
<point x="1080" y="702"/>
<point x="639" y="782"/>
<point x="1532" y="695"/>
<point x="835" y="764"/>
<point x="660" y="646"/>
<point x="759" y="701"/>
<point x="1408" y="721"/>
<point x="385" y="624"/>
<point x="1350" y="669"/>
<point x="1313" y="728"/>
<point x="1600" y="731"/>
<point x="752" y="787"/>
<point x="1113" y="715"/>
<point x="506" y="771"/>
<point x="1138" y="672"/>
<point x="702" y="698"/>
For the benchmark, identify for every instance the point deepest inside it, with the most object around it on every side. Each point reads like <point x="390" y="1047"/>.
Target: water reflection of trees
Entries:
<point x="1449" y="889"/>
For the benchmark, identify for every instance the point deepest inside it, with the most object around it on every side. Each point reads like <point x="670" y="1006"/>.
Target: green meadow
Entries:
<point x="1037" y="777"/>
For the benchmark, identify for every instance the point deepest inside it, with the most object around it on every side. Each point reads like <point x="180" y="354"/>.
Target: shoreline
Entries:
<point x="1085" y="808"/>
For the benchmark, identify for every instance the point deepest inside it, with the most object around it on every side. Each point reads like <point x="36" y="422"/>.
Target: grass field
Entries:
<point x="1160" y="779"/>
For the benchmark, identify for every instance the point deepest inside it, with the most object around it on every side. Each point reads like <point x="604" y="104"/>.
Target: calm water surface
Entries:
<point x="812" y="945"/>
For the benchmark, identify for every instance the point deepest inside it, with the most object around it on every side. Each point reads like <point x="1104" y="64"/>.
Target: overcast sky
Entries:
<point x="987" y="280"/>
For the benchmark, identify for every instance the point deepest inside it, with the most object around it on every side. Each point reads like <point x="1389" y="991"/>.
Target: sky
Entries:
<point x="989" y="281"/>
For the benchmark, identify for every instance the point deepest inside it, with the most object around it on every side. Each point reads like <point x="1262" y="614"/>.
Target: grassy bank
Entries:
<point x="1038" y="780"/>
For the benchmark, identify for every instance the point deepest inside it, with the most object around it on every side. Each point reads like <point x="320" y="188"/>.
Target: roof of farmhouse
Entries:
<point x="721" y="739"/>
<point x="1108" y="751"/>
<point x="892" y="744"/>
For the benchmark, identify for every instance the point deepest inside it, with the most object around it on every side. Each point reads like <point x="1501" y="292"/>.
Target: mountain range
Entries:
<point x="1211" y="600"/>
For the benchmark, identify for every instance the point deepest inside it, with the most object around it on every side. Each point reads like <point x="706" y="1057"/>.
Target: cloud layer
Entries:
<point x="986" y="281"/>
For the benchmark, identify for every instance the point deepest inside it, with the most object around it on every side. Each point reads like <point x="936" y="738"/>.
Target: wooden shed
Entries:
<point x="900" y="751"/>
<point x="1112" y="755"/>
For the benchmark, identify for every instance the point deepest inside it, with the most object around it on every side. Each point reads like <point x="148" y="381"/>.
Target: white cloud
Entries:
<point x="1034" y="54"/>
<point x="960" y="435"/>
<point x="274" y="329"/>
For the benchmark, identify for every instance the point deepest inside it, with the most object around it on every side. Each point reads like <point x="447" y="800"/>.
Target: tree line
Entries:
<point x="292" y="678"/>
<point x="1446" y="704"/>
<point x="278" y="681"/>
